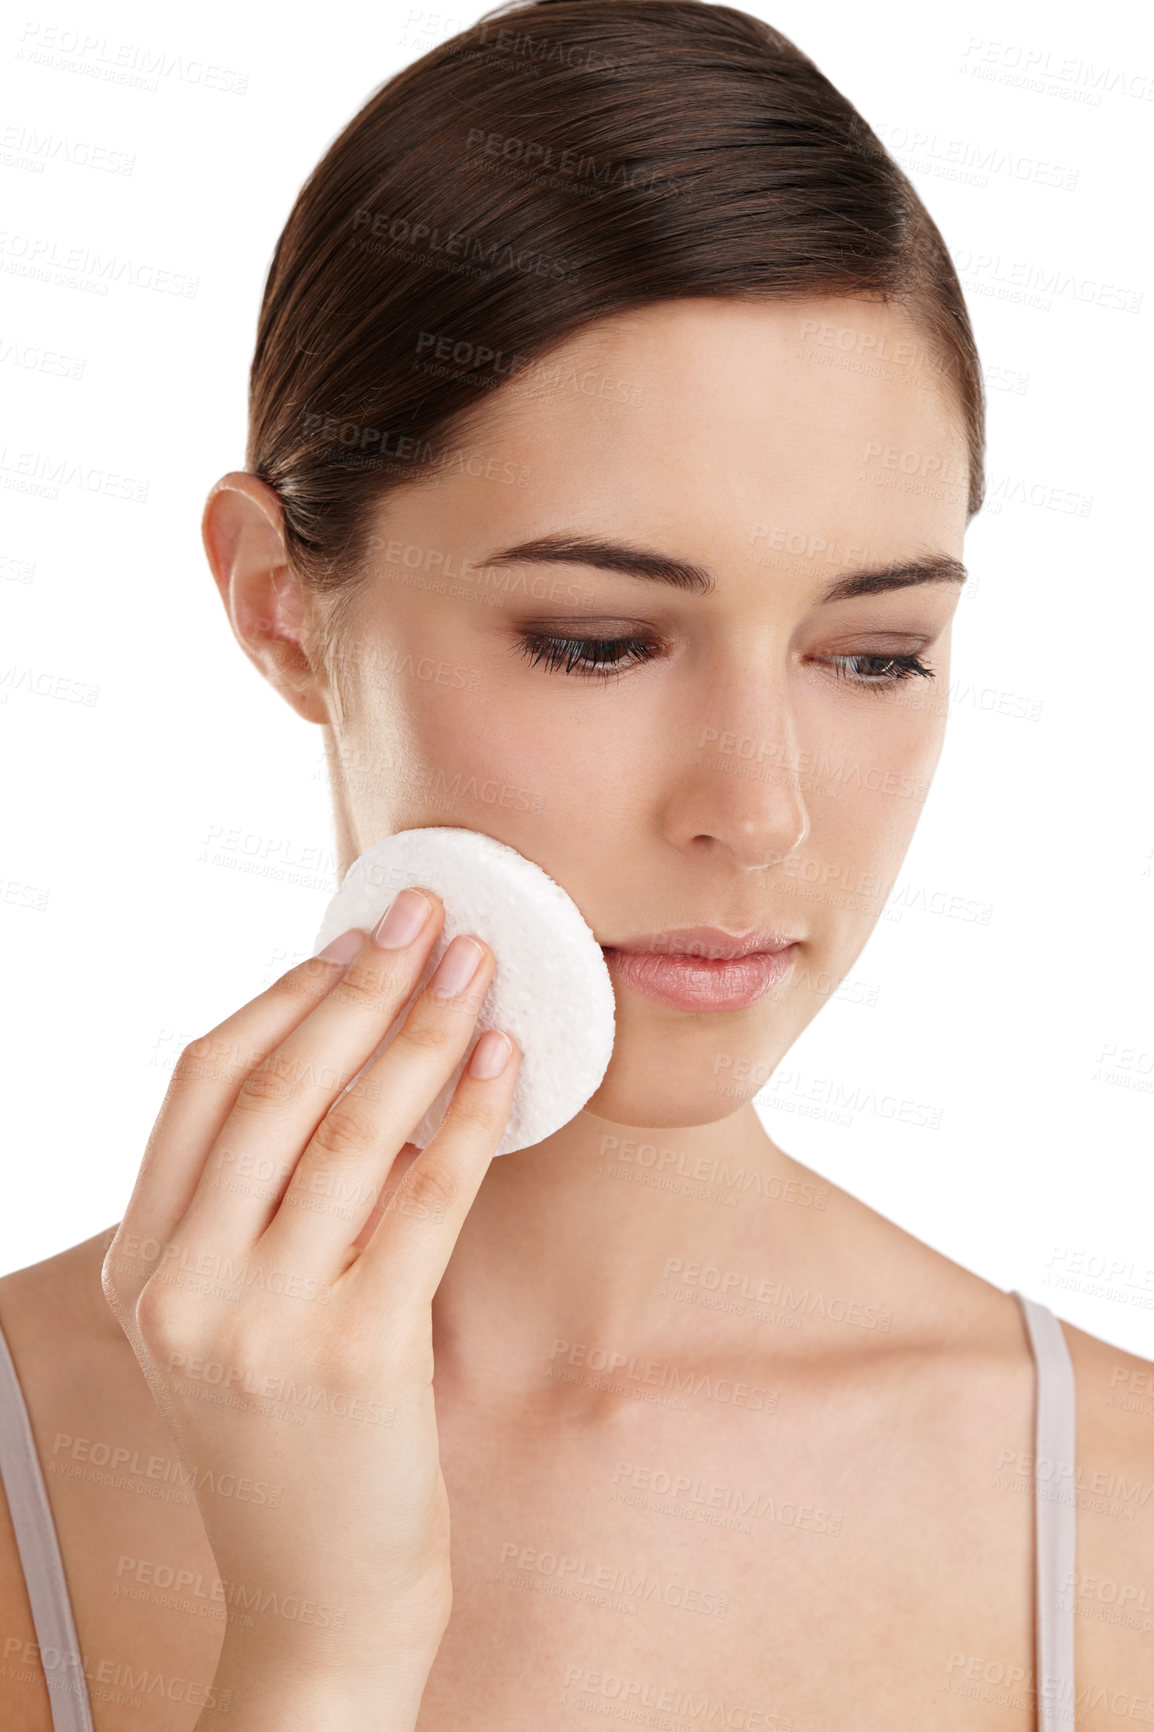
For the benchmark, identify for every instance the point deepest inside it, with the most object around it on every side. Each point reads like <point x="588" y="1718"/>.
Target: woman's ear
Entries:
<point x="243" y="533"/>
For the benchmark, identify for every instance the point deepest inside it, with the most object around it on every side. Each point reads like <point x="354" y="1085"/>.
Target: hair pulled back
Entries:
<point x="554" y="164"/>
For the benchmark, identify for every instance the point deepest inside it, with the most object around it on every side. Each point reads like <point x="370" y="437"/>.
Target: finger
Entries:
<point x="338" y="1179"/>
<point x="281" y="1101"/>
<point x="200" y="1095"/>
<point x="404" y="1260"/>
<point x="397" y="1171"/>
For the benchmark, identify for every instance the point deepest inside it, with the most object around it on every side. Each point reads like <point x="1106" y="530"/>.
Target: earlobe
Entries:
<point x="242" y="531"/>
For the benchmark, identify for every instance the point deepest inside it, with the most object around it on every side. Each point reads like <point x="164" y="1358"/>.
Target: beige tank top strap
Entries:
<point x="40" y="1558"/>
<point x="1055" y="1514"/>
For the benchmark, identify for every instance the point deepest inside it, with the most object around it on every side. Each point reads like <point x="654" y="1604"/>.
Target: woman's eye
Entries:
<point x="604" y="656"/>
<point x="882" y="671"/>
<point x="608" y="656"/>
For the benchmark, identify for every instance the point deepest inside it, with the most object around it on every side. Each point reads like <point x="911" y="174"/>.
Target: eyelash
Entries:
<point x="566" y="654"/>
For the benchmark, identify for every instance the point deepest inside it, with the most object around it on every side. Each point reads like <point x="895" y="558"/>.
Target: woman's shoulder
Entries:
<point x="69" y="1353"/>
<point x="55" y="1300"/>
<point x="44" y="1309"/>
<point x="113" y="1478"/>
<point x="24" y="1698"/>
<point x="1110" y="1482"/>
<point x="1112" y="1590"/>
<point x="1114" y="1425"/>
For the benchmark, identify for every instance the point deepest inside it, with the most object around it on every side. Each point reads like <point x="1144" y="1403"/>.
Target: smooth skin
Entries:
<point x="818" y="1517"/>
<point x="330" y="1285"/>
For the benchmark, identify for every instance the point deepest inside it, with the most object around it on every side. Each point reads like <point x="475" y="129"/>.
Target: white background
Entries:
<point x="1028" y="1035"/>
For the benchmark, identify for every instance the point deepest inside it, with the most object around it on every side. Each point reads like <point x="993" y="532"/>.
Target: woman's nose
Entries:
<point x="741" y="795"/>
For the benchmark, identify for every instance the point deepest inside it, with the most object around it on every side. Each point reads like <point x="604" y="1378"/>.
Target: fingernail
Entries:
<point x="344" y="948"/>
<point x="404" y="920"/>
<point x="490" y="1055"/>
<point x="457" y="967"/>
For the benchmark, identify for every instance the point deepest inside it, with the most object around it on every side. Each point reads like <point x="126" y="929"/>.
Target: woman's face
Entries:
<point x="751" y="762"/>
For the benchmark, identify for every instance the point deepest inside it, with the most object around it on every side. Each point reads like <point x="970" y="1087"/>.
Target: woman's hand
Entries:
<point x="274" y="1273"/>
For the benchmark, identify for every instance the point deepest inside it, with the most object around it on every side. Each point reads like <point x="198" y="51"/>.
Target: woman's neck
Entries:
<point x="610" y="1240"/>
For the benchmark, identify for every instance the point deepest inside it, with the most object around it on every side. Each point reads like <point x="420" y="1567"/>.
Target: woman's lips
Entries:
<point x="700" y="983"/>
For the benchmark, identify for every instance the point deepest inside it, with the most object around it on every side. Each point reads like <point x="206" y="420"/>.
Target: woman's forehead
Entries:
<point x="717" y="422"/>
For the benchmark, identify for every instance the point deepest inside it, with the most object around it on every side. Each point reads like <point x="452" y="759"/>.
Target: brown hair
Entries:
<point x="554" y="164"/>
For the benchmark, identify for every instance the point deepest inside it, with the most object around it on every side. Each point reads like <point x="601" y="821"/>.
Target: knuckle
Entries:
<point x="475" y="1112"/>
<point x="162" y="1318"/>
<point x="177" y="1331"/>
<point x="225" y="1054"/>
<point x="202" y="1058"/>
<point x="428" y="1033"/>
<point x="305" y="983"/>
<point x="343" y="1131"/>
<point x="430" y="1188"/>
<point x="274" y="1082"/>
<point x="364" y="988"/>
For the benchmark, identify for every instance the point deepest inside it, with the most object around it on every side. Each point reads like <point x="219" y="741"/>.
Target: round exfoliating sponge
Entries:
<point x="551" y="991"/>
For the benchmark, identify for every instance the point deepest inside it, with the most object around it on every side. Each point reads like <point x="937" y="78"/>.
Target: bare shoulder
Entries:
<point x="42" y="1310"/>
<point x="24" y="1698"/>
<point x="53" y="1309"/>
<point x="1115" y="1426"/>
<point x="1115" y="1411"/>
<point x="1113" y="1589"/>
<point x="67" y="1347"/>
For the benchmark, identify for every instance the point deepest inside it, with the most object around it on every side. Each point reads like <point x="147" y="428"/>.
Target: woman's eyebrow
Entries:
<point x="644" y="562"/>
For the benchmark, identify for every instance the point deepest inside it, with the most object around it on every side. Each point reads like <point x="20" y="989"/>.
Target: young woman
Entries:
<point x="615" y="426"/>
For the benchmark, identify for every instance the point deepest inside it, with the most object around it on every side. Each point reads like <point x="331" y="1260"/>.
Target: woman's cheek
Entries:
<point x="469" y="759"/>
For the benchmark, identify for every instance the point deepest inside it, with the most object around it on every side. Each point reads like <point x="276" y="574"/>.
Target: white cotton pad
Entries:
<point x="552" y="990"/>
